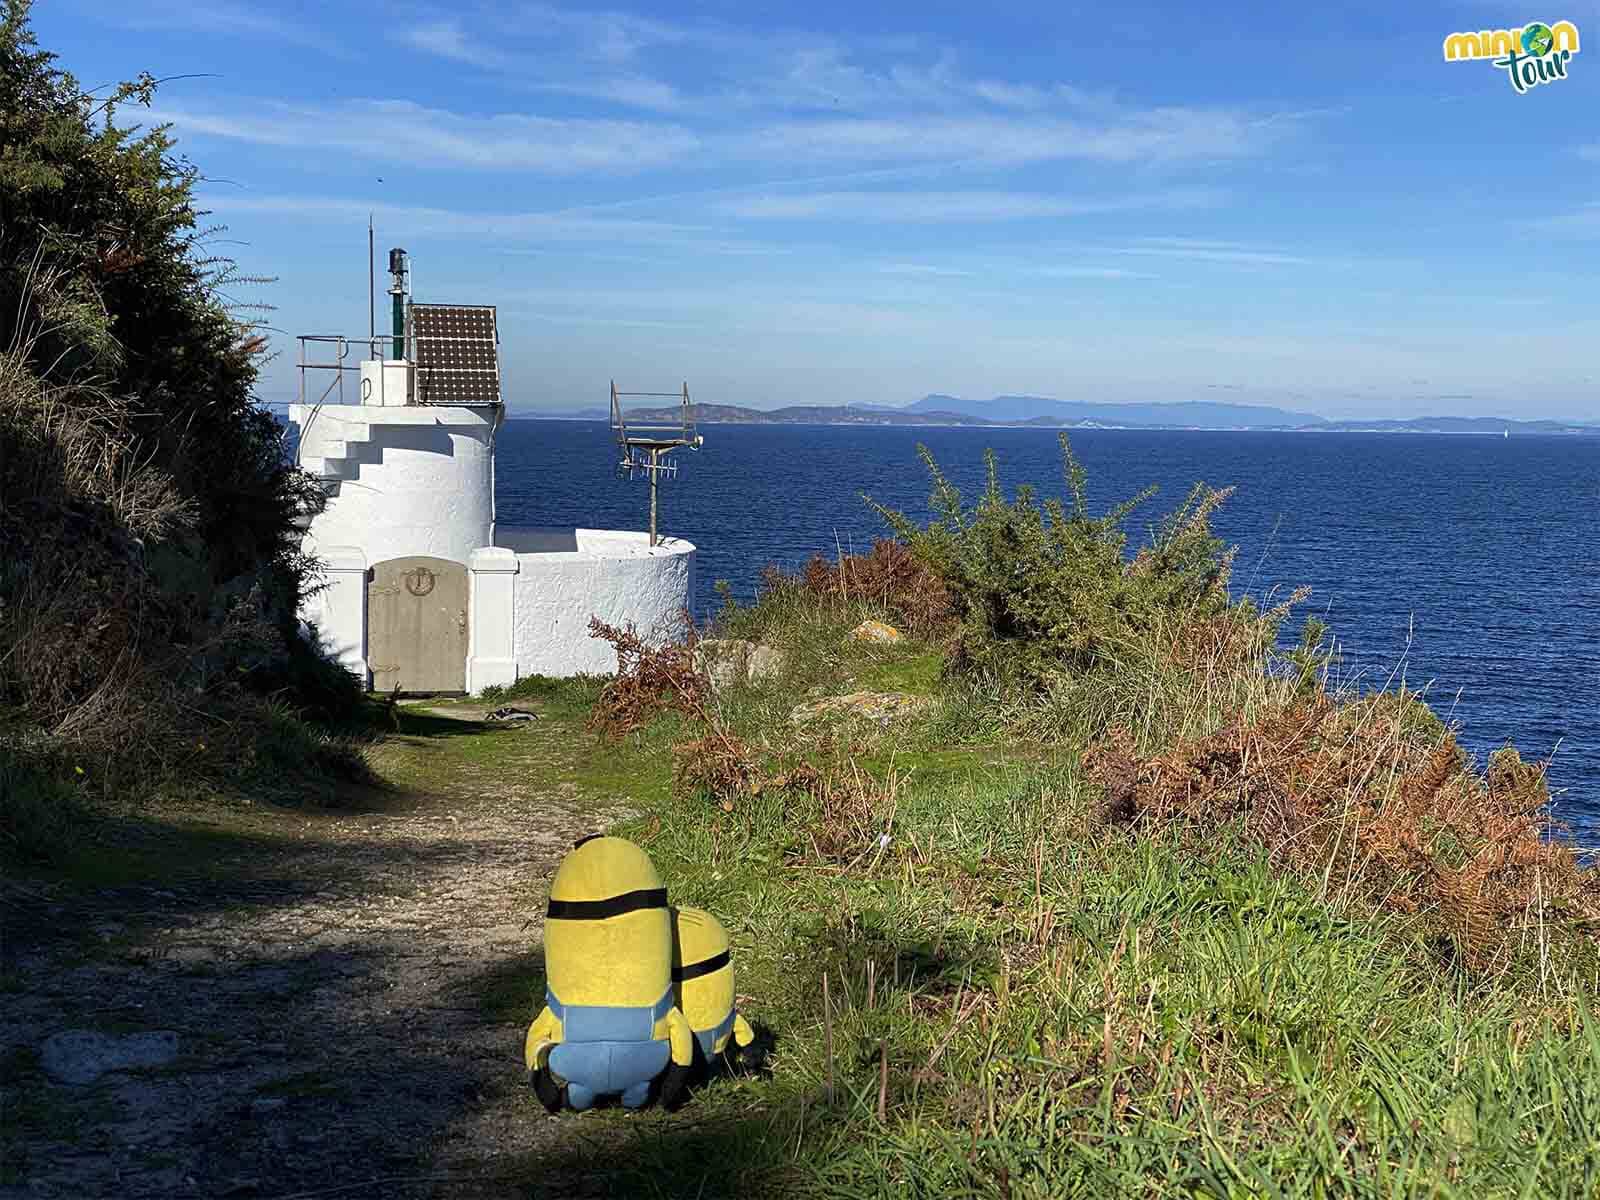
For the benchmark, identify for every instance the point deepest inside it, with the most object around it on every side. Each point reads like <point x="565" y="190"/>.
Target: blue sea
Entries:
<point x="1467" y="565"/>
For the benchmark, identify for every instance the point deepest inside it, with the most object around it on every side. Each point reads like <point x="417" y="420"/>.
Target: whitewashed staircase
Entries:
<point x="329" y="447"/>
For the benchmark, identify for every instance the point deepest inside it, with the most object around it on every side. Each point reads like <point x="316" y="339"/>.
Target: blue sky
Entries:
<point x="834" y="203"/>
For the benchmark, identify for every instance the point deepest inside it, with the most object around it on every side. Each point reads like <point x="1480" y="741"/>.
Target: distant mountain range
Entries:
<point x="1193" y="415"/>
<point x="1042" y="412"/>
<point x="808" y="414"/>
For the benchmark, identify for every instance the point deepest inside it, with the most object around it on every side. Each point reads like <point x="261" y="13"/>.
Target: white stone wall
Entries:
<point x="565" y="576"/>
<point x="491" y="625"/>
<point x="338" y="610"/>
<point x="415" y="480"/>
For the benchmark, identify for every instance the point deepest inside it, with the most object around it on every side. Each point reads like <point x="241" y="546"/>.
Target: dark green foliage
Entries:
<point x="1310" y="660"/>
<point x="149" y="564"/>
<point x="1046" y="589"/>
<point x="39" y="807"/>
<point x="298" y="763"/>
<point x="129" y="414"/>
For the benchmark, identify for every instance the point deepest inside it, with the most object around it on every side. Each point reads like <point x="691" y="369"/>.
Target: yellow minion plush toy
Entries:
<point x="702" y="977"/>
<point x="609" y="1026"/>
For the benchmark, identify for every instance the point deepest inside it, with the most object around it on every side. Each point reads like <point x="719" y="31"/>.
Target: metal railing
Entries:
<point x="339" y="347"/>
<point x="329" y="355"/>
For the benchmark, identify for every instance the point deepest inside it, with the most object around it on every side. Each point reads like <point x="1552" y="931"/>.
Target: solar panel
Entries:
<point x="457" y="352"/>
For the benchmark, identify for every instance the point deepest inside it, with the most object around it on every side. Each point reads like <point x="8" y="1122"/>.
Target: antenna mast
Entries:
<point x="372" y="307"/>
<point x="644" y="448"/>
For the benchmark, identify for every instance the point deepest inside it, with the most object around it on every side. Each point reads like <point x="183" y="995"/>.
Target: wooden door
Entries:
<point x="417" y="625"/>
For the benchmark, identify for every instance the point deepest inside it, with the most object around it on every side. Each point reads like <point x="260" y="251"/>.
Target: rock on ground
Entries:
<point x="765" y="663"/>
<point x="877" y="631"/>
<point x="729" y="661"/>
<point x="724" y="661"/>
<point x="872" y="706"/>
<point x="80" y="1056"/>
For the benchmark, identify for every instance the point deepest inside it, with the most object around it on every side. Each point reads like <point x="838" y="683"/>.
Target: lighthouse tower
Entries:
<point x="420" y="591"/>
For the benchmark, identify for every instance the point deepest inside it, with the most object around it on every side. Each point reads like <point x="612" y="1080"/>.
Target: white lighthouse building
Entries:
<point x="422" y="590"/>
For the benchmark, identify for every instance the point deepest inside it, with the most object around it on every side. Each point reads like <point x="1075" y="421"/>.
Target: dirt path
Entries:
<point x="347" y="993"/>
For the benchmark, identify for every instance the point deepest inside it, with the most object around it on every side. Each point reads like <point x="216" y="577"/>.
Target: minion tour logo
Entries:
<point x="1535" y="54"/>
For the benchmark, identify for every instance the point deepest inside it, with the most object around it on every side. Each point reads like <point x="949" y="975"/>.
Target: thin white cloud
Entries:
<point x="404" y="131"/>
<point x="1088" y="273"/>
<point x="753" y="308"/>
<point x="1004" y="269"/>
<point x="787" y="96"/>
<point x="604" y="319"/>
<point x="1094" y="260"/>
<point x="609" y="36"/>
<point x="1010" y="95"/>
<point x="615" y="41"/>
<point x="627" y="91"/>
<point x="1202" y="250"/>
<point x="965" y="206"/>
<point x="400" y="130"/>
<point x="923" y="269"/>
<point x="426" y="221"/>
<point x="1189" y="243"/>
<point x="603" y="56"/>
<point x="1164" y="135"/>
<point x="249" y="22"/>
<point x="446" y="39"/>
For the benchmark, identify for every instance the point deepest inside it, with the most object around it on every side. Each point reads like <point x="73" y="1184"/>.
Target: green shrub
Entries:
<point x="1040" y="590"/>
<point x="39" y="809"/>
<point x="294" y="762"/>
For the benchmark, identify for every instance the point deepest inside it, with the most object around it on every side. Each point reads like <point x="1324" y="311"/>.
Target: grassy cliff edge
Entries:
<point x="1139" y="905"/>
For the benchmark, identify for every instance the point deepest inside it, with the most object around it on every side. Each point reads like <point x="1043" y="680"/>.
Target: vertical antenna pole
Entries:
<point x="372" y="304"/>
<point x="655" y="483"/>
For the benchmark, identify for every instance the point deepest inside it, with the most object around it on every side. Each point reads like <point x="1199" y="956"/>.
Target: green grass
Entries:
<point x="513" y="990"/>
<point x="915" y="669"/>
<point x="562" y="698"/>
<point x="439" y="754"/>
<point x="73" y="811"/>
<point x="41" y="813"/>
<point x="1071" y="1015"/>
<point x="1064" y="1008"/>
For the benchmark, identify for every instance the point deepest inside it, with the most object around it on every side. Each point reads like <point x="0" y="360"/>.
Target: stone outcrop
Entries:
<point x="882" y="707"/>
<point x="728" y="661"/>
<point x="877" y="631"/>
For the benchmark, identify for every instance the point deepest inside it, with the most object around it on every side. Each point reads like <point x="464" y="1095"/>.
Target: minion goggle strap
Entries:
<point x="611" y="906"/>
<point x="704" y="967"/>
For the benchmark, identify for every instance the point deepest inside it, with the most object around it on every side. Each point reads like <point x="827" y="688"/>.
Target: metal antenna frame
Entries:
<point x="644" y="448"/>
